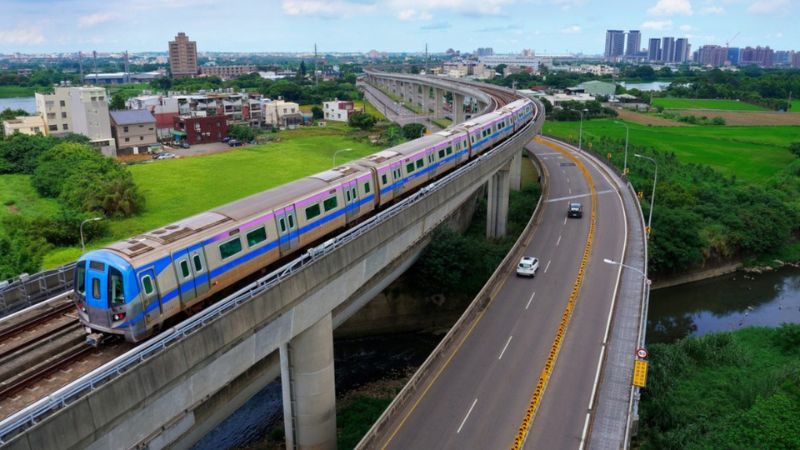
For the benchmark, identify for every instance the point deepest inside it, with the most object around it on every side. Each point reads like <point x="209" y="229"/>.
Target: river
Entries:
<point x="726" y="303"/>
<point x="26" y="103"/>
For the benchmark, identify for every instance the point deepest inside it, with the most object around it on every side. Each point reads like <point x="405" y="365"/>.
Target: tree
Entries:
<point x="413" y="130"/>
<point x="19" y="251"/>
<point x="117" y="102"/>
<point x="19" y="153"/>
<point x="361" y="120"/>
<point x="317" y="112"/>
<point x="302" y="72"/>
<point x="241" y="132"/>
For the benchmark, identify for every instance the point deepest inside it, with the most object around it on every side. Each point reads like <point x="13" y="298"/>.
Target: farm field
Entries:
<point x="691" y="103"/>
<point x="178" y="188"/>
<point x="648" y="119"/>
<point x="748" y="118"/>
<point x="752" y="154"/>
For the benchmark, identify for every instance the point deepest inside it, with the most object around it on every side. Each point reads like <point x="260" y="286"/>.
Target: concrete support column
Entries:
<point x="458" y="107"/>
<point x="438" y="103"/>
<point x="497" y="205"/>
<point x="516" y="171"/>
<point x="309" y="392"/>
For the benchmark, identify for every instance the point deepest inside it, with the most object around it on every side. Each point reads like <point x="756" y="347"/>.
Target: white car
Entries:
<point x="528" y="266"/>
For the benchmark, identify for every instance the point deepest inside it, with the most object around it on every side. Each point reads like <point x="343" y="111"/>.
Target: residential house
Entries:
<point x="338" y="110"/>
<point x="134" y="131"/>
<point x="25" y="125"/>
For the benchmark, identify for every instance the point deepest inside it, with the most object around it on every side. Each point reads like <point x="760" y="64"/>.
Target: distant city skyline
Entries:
<point x="507" y="26"/>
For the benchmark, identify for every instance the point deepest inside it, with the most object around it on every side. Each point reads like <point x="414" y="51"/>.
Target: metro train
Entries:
<point x="132" y="287"/>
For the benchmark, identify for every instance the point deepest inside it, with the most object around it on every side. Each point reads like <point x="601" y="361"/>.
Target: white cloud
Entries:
<point x="769" y="6"/>
<point x="336" y="8"/>
<point x="95" y="19"/>
<point x="712" y="10"/>
<point x="412" y="14"/>
<point x="686" y="28"/>
<point x="657" y="25"/>
<point x="671" y="7"/>
<point x="22" y="36"/>
<point x="574" y="29"/>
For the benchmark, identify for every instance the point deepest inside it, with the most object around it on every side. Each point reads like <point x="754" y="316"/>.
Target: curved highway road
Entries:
<point x="479" y="397"/>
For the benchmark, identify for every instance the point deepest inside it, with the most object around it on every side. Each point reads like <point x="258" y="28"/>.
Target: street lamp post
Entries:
<point x="653" y="195"/>
<point x="627" y="134"/>
<point x="337" y="152"/>
<point x="646" y="305"/>
<point x="580" y="131"/>
<point x="93" y="219"/>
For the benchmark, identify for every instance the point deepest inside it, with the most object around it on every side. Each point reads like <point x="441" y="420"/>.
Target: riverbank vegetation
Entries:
<point x="727" y="390"/>
<point x="703" y="215"/>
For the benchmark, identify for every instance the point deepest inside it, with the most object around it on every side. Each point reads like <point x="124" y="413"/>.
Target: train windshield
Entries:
<point x="80" y="278"/>
<point x="116" y="293"/>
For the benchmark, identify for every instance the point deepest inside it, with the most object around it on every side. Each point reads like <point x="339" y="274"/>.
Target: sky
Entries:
<point x="508" y="26"/>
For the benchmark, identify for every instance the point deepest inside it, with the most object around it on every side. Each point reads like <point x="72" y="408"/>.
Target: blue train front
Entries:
<point x="107" y="296"/>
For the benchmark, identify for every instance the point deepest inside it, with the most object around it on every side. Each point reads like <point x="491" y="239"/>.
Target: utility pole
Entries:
<point x="80" y="65"/>
<point x="315" y="64"/>
<point x="94" y="58"/>
<point x="127" y="76"/>
<point x="426" y="58"/>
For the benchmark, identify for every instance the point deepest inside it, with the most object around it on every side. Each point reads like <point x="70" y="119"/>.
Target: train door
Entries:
<point x="287" y="229"/>
<point x="97" y="290"/>
<point x="350" y="190"/>
<point x="200" y="271"/>
<point x="397" y="177"/>
<point x="185" y="278"/>
<point x="151" y="302"/>
<point x="430" y="160"/>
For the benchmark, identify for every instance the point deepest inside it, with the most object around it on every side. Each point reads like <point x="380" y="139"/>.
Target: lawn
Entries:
<point x="179" y="188"/>
<point x="369" y="109"/>
<point x="752" y="154"/>
<point x="17" y="196"/>
<point x="692" y="103"/>
<point x="795" y="108"/>
<point x="16" y="91"/>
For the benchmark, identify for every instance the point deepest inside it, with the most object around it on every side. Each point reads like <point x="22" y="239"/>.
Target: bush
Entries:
<point x="718" y="121"/>
<point x="317" y="113"/>
<point x="64" y="228"/>
<point x="19" y="250"/>
<point x="413" y="131"/>
<point x="361" y="120"/>
<point x="794" y="147"/>
<point x="241" y="132"/>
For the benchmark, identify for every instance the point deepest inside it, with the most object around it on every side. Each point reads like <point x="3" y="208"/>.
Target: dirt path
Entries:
<point x="753" y="118"/>
<point x="646" y="119"/>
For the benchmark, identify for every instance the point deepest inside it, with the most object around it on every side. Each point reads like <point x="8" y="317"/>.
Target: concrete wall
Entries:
<point x="133" y="408"/>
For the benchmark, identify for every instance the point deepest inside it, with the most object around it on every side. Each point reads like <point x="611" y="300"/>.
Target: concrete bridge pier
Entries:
<point x="438" y="105"/>
<point x="458" y="107"/>
<point x="309" y="392"/>
<point x="516" y="172"/>
<point x="497" y="204"/>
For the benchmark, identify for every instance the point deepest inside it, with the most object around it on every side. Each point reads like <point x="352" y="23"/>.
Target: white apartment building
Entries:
<point x="25" y="125"/>
<point x="338" y="110"/>
<point x="81" y="110"/>
<point x="281" y="114"/>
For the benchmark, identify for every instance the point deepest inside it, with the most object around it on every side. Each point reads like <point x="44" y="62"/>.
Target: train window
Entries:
<point x="198" y="264"/>
<point x="116" y="294"/>
<point x="96" y="265"/>
<point x="291" y="221"/>
<point x="311" y="212"/>
<point x="410" y="167"/>
<point x="147" y="284"/>
<point x="449" y="150"/>
<point x="354" y="191"/>
<point x="96" y="288"/>
<point x="347" y="195"/>
<point x="184" y="268"/>
<point x="366" y="187"/>
<point x="420" y="163"/>
<point x="259" y="235"/>
<point x="430" y="158"/>
<point x="383" y="178"/>
<point x="331" y="203"/>
<point x="441" y="154"/>
<point x="230" y="248"/>
<point x="80" y="278"/>
<point x="282" y="223"/>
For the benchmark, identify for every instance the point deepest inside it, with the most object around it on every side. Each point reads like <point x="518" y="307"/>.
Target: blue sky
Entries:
<point x="547" y="26"/>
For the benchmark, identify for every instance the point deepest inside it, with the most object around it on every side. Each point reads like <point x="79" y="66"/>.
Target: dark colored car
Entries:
<point x="575" y="210"/>
<point x="226" y="139"/>
<point x="184" y="145"/>
<point x="234" y="143"/>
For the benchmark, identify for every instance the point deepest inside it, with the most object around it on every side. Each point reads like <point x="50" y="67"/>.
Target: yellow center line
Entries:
<point x="544" y="377"/>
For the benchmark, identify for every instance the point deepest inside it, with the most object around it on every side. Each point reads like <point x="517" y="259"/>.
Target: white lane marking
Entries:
<point x="467" y="416"/>
<point x="559" y="240"/>
<point x="570" y="191"/>
<point x="565" y="220"/>
<point x="530" y="300"/>
<point x="567" y="178"/>
<point x="585" y="429"/>
<point x="547" y="266"/>
<point x="570" y="197"/>
<point x="597" y="375"/>
<point x="505" y="347"/>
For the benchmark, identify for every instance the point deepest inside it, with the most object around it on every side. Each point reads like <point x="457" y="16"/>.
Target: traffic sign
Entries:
<point x="639" y="373"/>
<point x="641" y="353"/>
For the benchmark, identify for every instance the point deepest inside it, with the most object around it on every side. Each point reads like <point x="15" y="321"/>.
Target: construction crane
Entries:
<point x="728" y="42"/>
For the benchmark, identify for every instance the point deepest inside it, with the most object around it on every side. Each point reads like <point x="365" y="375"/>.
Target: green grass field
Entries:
<point x="16" y="91"/>
<point x="691" y="103"/>
<point x="369" y="109"/>
<point x="752" y="154"/>
<point x="17" y="196"/>
<point x="179" y="188"/>
<point x="795" y="106"/>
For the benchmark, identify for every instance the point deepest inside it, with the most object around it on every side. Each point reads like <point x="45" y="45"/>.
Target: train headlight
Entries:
<point x="118" y="316"/>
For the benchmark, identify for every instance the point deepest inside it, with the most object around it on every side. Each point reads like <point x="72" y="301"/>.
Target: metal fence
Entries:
<point x="28" y="290"/>
<point x="32" y="414"/>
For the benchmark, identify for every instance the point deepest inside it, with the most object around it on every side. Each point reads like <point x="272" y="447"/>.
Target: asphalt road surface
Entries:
<point x="479" y="399"/>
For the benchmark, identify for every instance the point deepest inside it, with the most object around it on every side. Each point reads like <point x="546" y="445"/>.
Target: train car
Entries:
<point x="132" y="287"/>
<point x="487" y="130"/>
